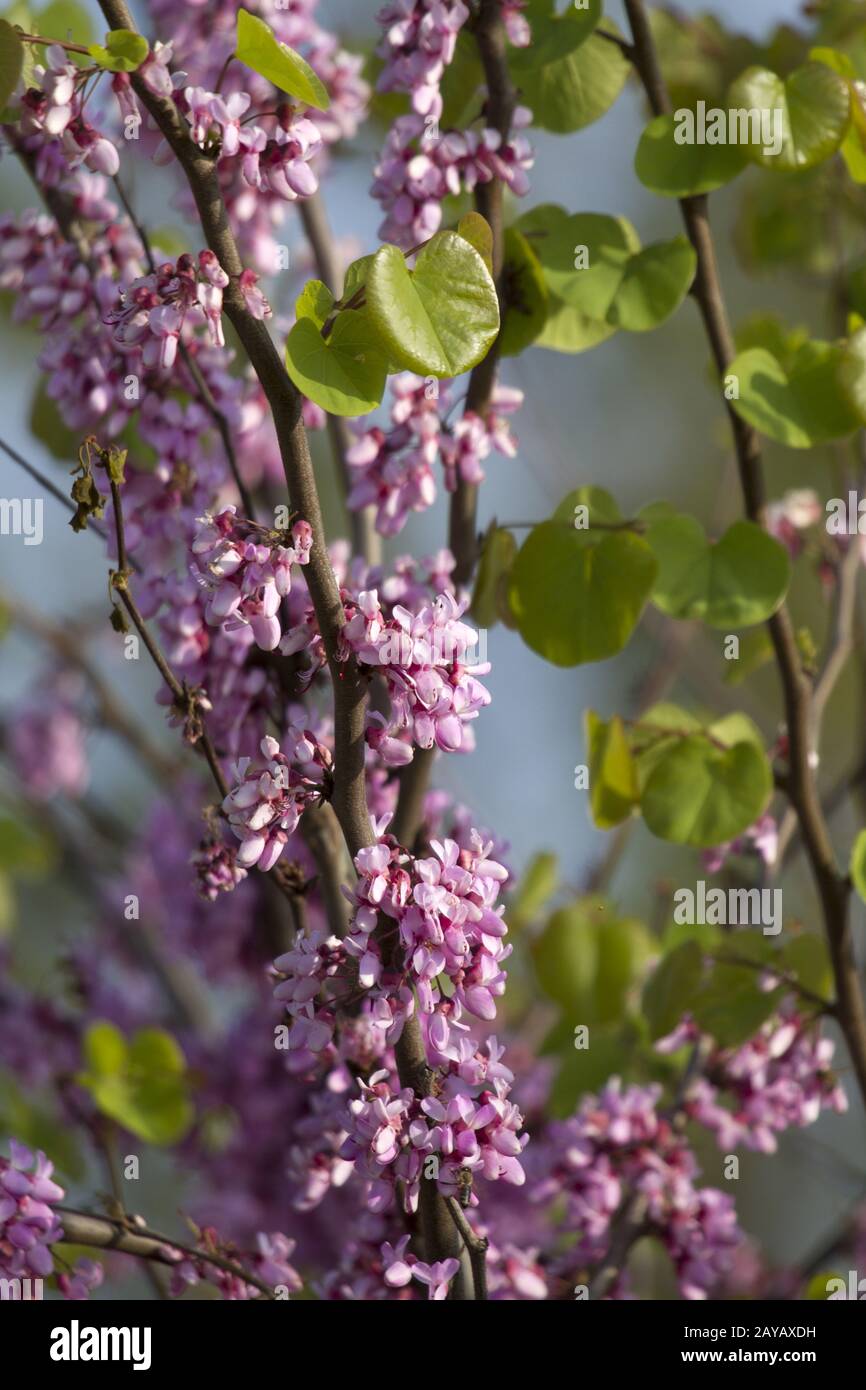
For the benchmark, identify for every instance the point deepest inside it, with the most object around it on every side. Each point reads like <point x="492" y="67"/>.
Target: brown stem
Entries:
<point x="833" y="888"/>
<point x="490" y="38"/>
<point x="130" y="1238"/>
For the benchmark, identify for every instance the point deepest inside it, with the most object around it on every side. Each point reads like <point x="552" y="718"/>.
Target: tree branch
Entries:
<point x="349" y="798"/>
<point x="832" y="885"/>
<point x="490" y="38"/>
<point x="350" y="691"/>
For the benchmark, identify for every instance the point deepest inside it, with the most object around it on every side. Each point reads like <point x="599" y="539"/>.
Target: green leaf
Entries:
<point x="738" y="581"/>
<point x="105" y="1049"/>
<point x="589" y="962"/>
<point x="806" y="405"/>
<point x="756" y="649"/>
<point x="601" y="507"/>
<point x="852" y="373"/>
<point x="857" y="864"/>
<point x="852" y="149"/>
<point x="576" y="89"/>
<point x="655" y="283"/>
<point x="701" y="795"/>
<point x="535" y="889"/>
<point x="314" y="302"/>
<point x="595" y="264"/>
<point x="814" y="108"/>
<point x="577" y="599"/>
<point x="23" y="850"/>
<point x="48" y="426"/>
<point x="559" y="240"/>
<point x="494" y="566"/>
<point x="143" y="1086"/>
<point x="11" y="61"/>
<point x="568" y="330"/>
<point x="356" y="276"/>
<point x="553" y="35"/>
<point x="259" y="48"/>
<point x="440" y="318"/>
<point x="611" y="1052"/>
<point x="670" y="989"/>
<point x="676" y="170"/>
<point x="732" y="1006"/>
<point x="476" y="230"/>
<point x="809" y="959"/>
<point x="613" y="782"/>
<point x="344" y="373"/>
<point x="525" y="296"/>
<point x="123" y="51"/>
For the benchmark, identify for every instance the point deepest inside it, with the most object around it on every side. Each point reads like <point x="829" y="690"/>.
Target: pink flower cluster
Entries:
<point x="278" y="163"/>
<point x="154" y="308"/>
<point x="619" y="1142"/>
<point x="393" y="469"/>
<point x="419" y="167"/>
<point x="53" y="109"/>
<point x="269" y="1262"/>
<point x="269" y="165"/>
<point x="448" y="925"/>
<point x="469" y="1130"/>
<point x="45" y="740"/>
<point x="418" y="44"/>
<point x="247" y="572"/>
<point x="217" y="869"/>
<point x="401" y="1267"/>
<point x="29" y="1226"/>
<point x="271" y="792"/>
<point x="781" y="1079"/>
<point x="761" y="839"/>
<point x="429" y="664"/>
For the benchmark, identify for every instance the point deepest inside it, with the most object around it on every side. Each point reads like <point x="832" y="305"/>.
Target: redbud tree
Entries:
<point x="284" y="988"/>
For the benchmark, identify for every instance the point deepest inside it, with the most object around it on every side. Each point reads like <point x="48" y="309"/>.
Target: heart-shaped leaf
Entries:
<point x="655" y="282"/>
<point x="806" y="114"/>
<point x="344" y="373"/>
<point x="701" y="794"/>
<point x="142" y="1085"/>
<point x="595" y="264"/>
<point x="806" y="405"/>
<point x="576" y="597"/>
<point x="583" y="255"/>
<point x="575" y="89"/>
<point x="669" y="164"/>
<point x="123" y="51"/>
<point x="738" y="581"/>
<point x="440" y="318"/>
<point x="588" y="961"/>
<point x="261" y="50"/>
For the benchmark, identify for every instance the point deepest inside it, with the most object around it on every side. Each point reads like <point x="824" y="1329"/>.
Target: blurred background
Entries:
<point x="639" y="416"/>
